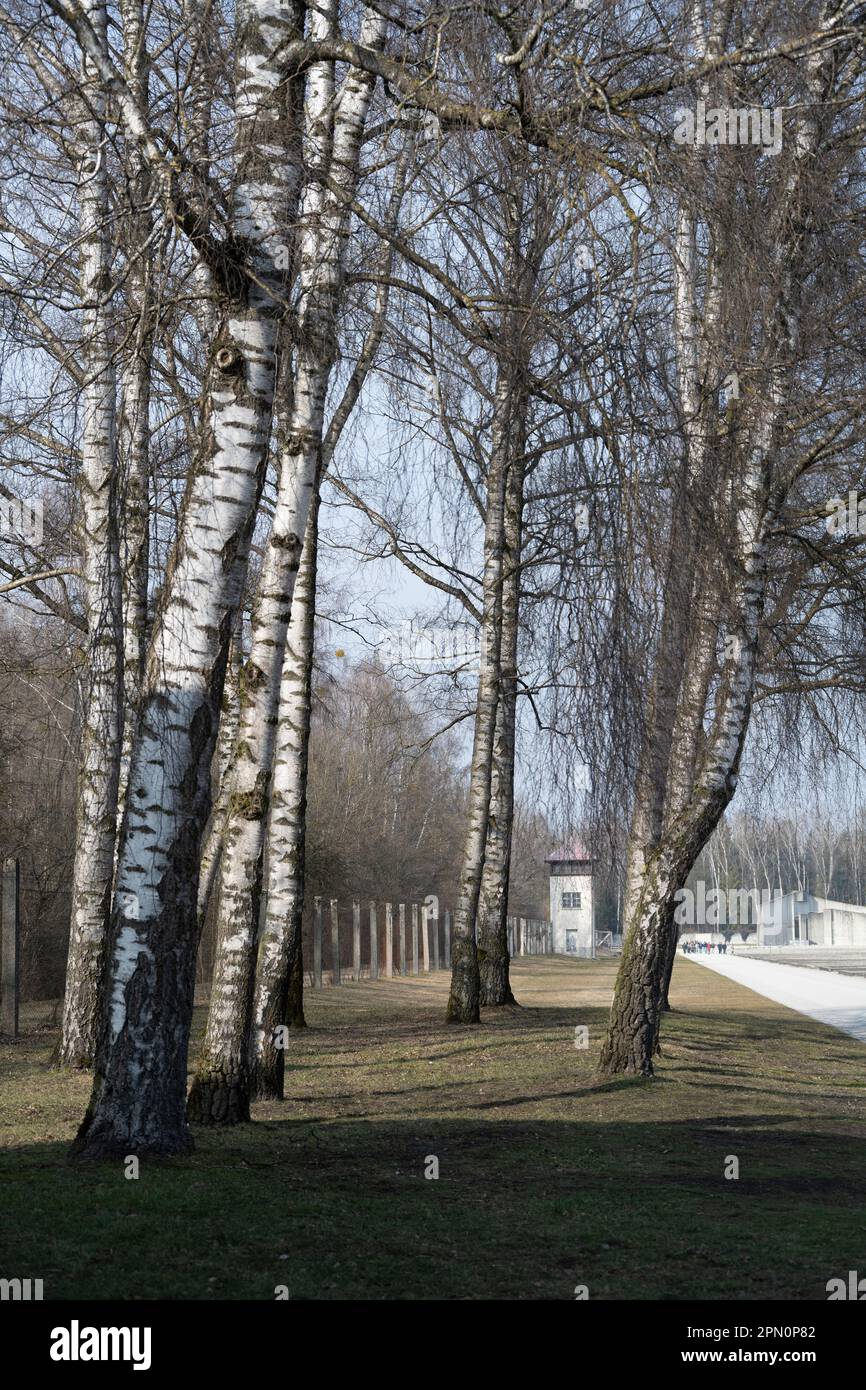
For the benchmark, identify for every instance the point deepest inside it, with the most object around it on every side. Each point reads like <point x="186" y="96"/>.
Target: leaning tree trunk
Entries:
<point x="220" y="1092"/>
<point x="138" y="1101"/>
<point x="636" y="1013"/>
<point x="632" y="1036"/>
<point x="690" y="498"/>
<point x="278" y="999"/>
<point x="688" y="739"/>
<point x="99" y="763"/>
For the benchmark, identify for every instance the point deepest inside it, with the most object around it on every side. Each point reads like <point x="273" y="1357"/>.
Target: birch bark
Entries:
<point x="465" y="993"/>
<point x="100" y="741"/>
<point x="138" y="1100"/>
<point x="278" y="996"/>
<point x="493" y="957"/>
<point x="278" y="956"/>
<point x="134" y="421"/>
<point x="220" y="1091"/>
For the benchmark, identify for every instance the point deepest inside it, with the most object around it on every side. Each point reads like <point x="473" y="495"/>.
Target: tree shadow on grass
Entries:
<point x="520" y="1209"/>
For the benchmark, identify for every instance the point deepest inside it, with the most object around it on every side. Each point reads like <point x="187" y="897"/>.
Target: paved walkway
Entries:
<point x="839" y="1000"/>
<point x="845" y="960"/>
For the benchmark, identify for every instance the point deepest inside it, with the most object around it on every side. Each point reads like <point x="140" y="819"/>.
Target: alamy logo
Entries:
<point x="727" y="125"/>
<point x="76" y="1343"/>
<point x="20" y="1290"/>
<point x="854" y="1289"/>
<point x="409" y="645"/>
<point x="847" y="517"/>
<point x="729" y="907"/>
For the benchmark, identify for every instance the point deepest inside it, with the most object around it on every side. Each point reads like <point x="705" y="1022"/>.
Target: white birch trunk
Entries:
<point x="492" y="931"/>
<point x="134" y="421"/>
<point x="100" y="741"/>
<point x="138" y="1102"/>
<point x="279" y="945"/>
<point x="464" y="996"/>
<point x="220" y="1092"/>
<point x="278" y="995"/>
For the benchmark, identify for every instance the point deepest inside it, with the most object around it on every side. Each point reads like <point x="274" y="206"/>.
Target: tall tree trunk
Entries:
<point x="100" y="740"/>
<point x="278" y="998"/>
<point x="279" y="988"/>
<point x="493" y="958"/>
<point x="465" y="993"/>
<point x="134" y="422"/>
<point x="220" y="1091"/>
<point x="138" y="1100"/>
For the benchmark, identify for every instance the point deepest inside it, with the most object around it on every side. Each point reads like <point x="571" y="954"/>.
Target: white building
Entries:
<point x="799" y="919"/>
<point x="572" y="911"/>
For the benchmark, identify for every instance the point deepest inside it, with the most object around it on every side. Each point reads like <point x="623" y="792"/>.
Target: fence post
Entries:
<point x="425" y="938"/>
<point x="414" y="938"/>
<point x="374" y="943"/>
<point x="336" y="976"/>
<point x="404" y="964"/>
<point x="356" y="939"/>
<point x="522" y="950"/>
<point x="434" y="918"/>
<point x="317" y="943"/>
<point x="389" y="941"/>
<point x="11" y="943"/>
<point x="447" y="939"/>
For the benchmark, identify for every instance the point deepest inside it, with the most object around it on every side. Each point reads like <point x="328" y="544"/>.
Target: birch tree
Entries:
<point x="100" y="745"/>
<point x="759" y="477"/>
<point x="221" y="1088"/>
<point x="138" y="1101"/>
<point x="278" y="991"/>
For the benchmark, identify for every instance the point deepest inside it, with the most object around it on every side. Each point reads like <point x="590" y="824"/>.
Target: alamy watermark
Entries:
<point x="847" y="515"/>
<point x="21" y="1290"/>
<point x="77" y="1343"/>
<point x="718" y="907"/>
<point x="854" y="1289"/>
<point x="21" y="520"/>
<point x="411" y="644"/>
<point x="729" y="125"/>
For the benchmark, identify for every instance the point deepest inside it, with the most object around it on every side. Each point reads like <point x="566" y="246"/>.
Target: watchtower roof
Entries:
<point x="569" y="854"/>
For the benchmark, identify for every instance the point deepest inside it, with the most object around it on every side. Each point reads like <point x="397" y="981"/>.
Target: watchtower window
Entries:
<point x="571" y="900"/>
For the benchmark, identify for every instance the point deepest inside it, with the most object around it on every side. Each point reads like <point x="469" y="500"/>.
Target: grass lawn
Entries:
<point x="547" y="1179"/>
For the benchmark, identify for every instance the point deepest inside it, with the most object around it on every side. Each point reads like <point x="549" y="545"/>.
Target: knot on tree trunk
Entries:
<point x="229" y="359"/>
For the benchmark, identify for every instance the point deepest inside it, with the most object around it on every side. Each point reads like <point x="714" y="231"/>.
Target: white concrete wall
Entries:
<point x="825" y="923"/>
